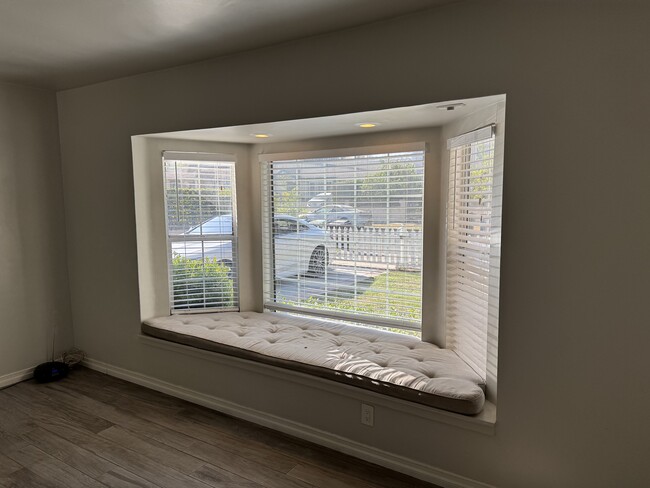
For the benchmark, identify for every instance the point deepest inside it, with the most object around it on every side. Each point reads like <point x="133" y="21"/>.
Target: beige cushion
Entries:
<point x="389" y="363"/>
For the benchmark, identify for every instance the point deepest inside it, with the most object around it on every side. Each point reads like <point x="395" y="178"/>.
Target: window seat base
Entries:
<point x="388" y="363"/>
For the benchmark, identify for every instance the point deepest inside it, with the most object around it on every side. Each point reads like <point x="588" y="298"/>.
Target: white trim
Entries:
<point x="339" y="316"/>
<point x="344" y="151"/>
<point x="395" y="462"/>
<point x="348" y="159"/>
<point x="472" y="136"/>
<point x="16" y="377"/>
<point x="233" y="238"/>
<point x="198" y="156"/>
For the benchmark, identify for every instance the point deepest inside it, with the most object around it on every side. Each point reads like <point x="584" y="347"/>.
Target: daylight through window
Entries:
<point x="201" y="231"/>
<point x="473" y="249"/>
<point x="343" y="236"/>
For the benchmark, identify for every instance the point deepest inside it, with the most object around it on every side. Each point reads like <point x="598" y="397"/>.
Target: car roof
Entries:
<point x="291" y="217"/>
<point x="337" y="205"/>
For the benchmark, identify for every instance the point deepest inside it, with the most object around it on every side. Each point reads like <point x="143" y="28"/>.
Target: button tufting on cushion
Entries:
<point x="368" y="358"/>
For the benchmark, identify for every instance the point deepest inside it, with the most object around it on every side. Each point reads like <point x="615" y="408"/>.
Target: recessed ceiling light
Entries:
<point x="367" y="125"/>
<point x="261" y="135"/>
<point x="450" y="106"/>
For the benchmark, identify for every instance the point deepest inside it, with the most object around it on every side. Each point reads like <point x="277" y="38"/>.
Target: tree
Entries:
<point x="392" y="181"/>
<point x="288" y="202"/>
<point x="480" y="173"/>
<point x="189" y="207"/>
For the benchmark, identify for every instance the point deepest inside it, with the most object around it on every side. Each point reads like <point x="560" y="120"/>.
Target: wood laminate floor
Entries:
<point x="93" y="430"/>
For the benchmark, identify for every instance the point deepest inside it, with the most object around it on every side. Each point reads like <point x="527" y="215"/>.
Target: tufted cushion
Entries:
<point x="389" y="363"/>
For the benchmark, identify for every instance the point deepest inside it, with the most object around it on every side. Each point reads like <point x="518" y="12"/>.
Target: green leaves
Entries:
<point x="200" y="283"/>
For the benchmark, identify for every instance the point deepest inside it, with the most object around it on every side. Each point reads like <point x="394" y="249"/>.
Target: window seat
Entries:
<point x="384" y="362"/>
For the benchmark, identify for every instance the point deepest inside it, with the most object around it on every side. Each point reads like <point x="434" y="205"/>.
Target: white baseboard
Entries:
<point x="16" y="377"/>
<point x="395" y="462"/>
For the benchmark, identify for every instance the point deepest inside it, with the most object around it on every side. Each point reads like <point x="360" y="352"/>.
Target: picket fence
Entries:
<point x="396" y="246"/>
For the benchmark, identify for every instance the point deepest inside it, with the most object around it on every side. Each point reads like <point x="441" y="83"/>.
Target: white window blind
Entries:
<point x="473" y="249"/>
<point x="201" y="231"/>
<point x="343" y="236"/>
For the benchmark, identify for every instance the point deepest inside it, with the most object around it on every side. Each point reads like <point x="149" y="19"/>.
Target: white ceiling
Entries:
<point x="62" y="44"/>
<point x="415" y="117"/>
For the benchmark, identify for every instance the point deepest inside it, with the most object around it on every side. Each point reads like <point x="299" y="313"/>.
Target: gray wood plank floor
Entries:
<point x="93" y="430"/>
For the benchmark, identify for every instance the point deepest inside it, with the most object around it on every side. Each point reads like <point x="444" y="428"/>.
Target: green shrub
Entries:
<point x="201" y="283"/>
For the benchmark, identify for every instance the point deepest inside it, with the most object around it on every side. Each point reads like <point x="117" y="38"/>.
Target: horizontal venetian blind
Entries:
<point x="201" y="231"/>
<point x="473" y="248"/>
<point x="343" y="236"/>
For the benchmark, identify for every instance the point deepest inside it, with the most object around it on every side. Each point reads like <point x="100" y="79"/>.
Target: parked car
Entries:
<point x="320" y="200"/>
<point x="340" y="215"/>
<point x="298" y="246"/>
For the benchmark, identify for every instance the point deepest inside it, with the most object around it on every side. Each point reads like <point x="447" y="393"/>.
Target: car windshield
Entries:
<point x="285" y="225"/>
<point x="221" y="224"/>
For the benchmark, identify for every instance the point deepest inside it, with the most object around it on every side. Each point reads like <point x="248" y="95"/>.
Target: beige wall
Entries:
<point x="573" y="395"/>
<point x="33" y="275"/>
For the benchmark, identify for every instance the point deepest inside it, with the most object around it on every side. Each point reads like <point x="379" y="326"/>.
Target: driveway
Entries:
<point x="340" y="281"/>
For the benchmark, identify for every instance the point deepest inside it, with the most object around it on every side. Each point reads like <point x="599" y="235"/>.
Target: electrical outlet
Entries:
<point x="367" y="415"/>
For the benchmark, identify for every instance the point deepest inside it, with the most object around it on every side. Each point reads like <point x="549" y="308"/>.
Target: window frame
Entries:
<point x="268" y="256"/>
<point x="468" y="250"/>
<point x="217" y="158"/>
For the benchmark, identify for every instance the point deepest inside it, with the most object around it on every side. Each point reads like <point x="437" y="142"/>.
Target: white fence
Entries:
<point x="400" y="247"/>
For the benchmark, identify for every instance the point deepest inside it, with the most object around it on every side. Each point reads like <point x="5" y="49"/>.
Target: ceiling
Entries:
<point x="415" y="117"/>
<point x="69" y="43"/>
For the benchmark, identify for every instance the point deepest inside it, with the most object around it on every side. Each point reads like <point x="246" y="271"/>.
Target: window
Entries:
<point x="473" y="249"/>
<point x="201" y="231"/>
<point x="343" y="235"/>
